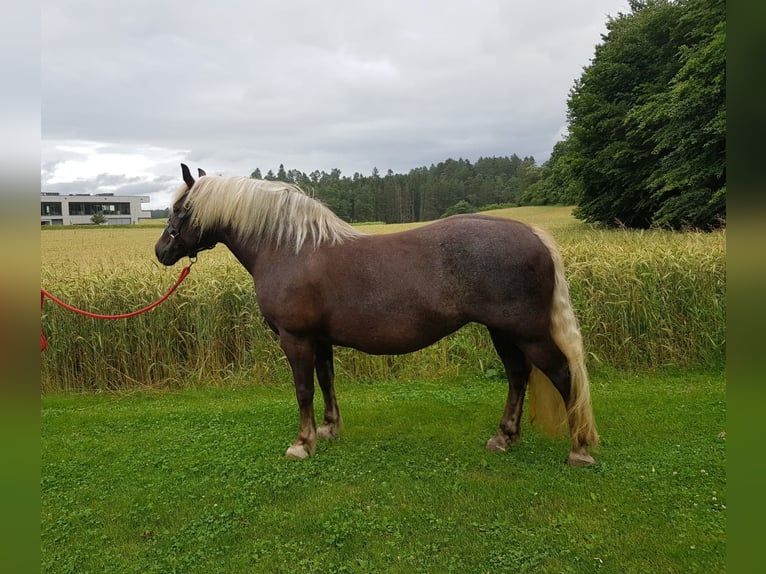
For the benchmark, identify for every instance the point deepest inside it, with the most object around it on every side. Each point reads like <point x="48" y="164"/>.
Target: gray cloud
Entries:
<point x="314" y="85"/>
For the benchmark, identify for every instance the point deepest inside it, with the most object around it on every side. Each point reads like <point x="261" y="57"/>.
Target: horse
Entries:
<point x="321" y="282"/>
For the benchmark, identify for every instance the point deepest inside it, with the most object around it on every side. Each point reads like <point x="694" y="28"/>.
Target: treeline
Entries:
<point x="646" y="141"/>
<point x="646" y="144"/>
<point x="423" y="194"/>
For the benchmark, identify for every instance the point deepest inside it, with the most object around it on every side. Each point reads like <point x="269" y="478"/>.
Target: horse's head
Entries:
<point x="182" y="237"/>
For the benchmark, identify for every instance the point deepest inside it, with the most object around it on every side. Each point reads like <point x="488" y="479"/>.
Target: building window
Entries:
<point x="83" y="208"/>
<point x="50" y="208"/>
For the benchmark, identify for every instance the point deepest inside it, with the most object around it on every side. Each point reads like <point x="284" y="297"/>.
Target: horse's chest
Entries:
<point x="290" y="308"/>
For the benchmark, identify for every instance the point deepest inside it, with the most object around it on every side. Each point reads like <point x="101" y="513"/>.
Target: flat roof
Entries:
<point x="99" y="196"/>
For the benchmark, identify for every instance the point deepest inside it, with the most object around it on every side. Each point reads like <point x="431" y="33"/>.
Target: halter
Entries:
<point x="174" y="232"/>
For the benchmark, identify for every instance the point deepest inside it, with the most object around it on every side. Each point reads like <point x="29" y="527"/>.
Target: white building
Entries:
<point x="77" y="209"/>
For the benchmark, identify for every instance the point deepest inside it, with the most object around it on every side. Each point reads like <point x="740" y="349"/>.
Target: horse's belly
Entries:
<point x="393" y="338"/>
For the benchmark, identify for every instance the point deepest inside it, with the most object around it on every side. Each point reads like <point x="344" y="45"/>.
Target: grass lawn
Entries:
<point x="196" y="481"/>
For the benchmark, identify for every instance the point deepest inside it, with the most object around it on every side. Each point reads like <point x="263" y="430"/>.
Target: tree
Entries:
<point x="98" y="218"/>
<point x="647" y="119"/>
<point x="424" y="193"/>
<point x="557" y="184"/>
<point x="160" y="213"/>
<point x="689" y="123"/>
<point x="461" y="206"/>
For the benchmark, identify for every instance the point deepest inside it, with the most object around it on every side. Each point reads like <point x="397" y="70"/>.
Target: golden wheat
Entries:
<point x="644" y="300"/>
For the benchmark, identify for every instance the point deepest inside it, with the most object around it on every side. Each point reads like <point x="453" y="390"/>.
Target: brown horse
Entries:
<point x="320" y="282"/>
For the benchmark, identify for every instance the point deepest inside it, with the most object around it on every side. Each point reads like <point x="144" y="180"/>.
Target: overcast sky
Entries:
<point x="131" y="89"/>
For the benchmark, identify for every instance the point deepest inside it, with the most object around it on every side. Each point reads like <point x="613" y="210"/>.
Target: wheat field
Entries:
<point x="645" y="300"/>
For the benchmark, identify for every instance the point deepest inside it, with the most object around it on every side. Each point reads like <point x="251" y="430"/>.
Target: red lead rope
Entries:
<point x="43" y="294"/>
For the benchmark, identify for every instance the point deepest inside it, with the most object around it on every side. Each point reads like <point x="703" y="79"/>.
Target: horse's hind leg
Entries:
<point x="325" y="371"/>
<point x="517" y="370"/>
<point x="547" y="357"/>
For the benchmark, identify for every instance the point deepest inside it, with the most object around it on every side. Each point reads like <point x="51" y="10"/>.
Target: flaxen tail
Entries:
<point x="546" y="407"/>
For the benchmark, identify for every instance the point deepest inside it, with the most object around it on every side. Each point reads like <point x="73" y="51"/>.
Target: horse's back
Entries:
<point x="398" y="292"/>
<point x="474" y="257"/>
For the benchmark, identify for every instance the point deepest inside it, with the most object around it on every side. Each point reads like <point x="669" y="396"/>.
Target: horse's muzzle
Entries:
<point x="167" y="250"/>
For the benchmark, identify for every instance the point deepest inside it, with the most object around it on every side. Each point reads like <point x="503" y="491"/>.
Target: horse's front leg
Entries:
<point x="300" y="353"/>
<point x="332" y="423"/>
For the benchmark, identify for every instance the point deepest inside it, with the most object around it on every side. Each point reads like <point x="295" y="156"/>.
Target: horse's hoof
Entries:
<point x="497" y="444"/>
<point x="327" y="432"/>
<point x="580" y="459"/>
<point x="297" y="452"/>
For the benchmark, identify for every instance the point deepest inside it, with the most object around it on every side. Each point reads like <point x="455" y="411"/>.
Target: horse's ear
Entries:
<point x="201" y="171"/>
<point x="188" y="179"/>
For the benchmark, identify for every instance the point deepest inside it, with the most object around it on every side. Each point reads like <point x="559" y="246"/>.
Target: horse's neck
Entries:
<point x="255" y="258"/>
<point x="246" y="254"/>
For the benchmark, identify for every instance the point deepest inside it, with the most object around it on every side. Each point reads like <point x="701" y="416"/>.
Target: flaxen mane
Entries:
<point x="264" y="212"/>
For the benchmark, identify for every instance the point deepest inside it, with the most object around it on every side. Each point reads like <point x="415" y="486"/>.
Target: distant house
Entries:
<point x="78" y="208"/>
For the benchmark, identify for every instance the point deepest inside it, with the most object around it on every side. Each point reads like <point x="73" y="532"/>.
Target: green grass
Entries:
<point x="196" y="481"/>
